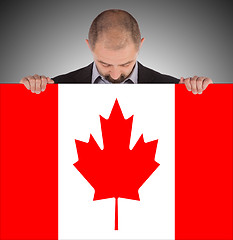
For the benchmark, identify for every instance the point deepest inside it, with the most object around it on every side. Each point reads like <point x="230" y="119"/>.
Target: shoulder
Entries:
<point x="82" y="75"/>
<point x="147" y="75"/>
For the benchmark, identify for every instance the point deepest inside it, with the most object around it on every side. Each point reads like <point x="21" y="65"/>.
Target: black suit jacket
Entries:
<point x="145" y="75"/>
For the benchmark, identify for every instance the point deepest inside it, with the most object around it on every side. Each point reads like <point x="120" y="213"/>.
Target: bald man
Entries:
<point x="115" y="40"/>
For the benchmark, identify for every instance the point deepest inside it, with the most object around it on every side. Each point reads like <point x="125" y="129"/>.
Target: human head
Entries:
<point x="114" y="39"/>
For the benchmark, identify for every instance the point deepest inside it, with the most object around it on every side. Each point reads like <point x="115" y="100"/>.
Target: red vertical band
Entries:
<point x="28" y="163"/>
<point x="203" y="163"/>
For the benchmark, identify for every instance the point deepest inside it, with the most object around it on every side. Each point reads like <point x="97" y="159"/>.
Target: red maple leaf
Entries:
<point x="116" y="171"/>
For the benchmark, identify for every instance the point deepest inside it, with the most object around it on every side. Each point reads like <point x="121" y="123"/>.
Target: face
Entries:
<point x="115" y="65"/>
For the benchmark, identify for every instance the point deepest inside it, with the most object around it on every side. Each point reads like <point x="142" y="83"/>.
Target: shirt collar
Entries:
<point x="133" y="76"/>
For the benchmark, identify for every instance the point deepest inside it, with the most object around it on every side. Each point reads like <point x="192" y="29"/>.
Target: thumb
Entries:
<point x="50" y="81"/>
<point x="181" y="80"/>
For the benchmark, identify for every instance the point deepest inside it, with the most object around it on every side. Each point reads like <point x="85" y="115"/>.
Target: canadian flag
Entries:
<point x="116" y="162"/>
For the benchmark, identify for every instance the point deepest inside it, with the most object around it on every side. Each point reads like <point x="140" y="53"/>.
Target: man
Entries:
<point x="115" y="40"/>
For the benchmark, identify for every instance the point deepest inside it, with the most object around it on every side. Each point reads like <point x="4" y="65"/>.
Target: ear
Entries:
<point x="142" y="40"/>
<point x="87" y="42"/>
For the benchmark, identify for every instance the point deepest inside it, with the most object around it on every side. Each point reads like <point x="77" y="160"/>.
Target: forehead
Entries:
<point x="115" y="56"/>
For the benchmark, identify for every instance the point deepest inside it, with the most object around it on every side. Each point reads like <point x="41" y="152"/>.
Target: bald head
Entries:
<point x="115" y="29"/>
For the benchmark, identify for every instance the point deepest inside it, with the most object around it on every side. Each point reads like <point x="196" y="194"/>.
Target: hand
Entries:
<point x="196" y="84"/>
<point x="36" y="83"/>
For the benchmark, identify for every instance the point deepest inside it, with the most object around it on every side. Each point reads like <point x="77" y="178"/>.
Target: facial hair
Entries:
<point x="118" y="80"/>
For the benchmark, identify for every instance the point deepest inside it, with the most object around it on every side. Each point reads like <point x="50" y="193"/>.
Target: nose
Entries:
<point x="115" y="73"/>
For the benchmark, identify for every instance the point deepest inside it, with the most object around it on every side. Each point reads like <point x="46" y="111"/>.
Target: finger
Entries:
<point x="25" y="82"/>
<point x="200" y="85"/>
<point x="188" y="84"/>
<point x="32" y="82"/>
<point x="50" y="81"/>
<point x="44" y="82"/>
<point x="193" y="82"/>
<point x="38" y="83"/>
<point x="206" y="82"/>
<point x="181" y="80"/>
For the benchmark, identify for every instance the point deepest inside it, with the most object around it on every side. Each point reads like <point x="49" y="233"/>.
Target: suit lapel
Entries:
<point x="87" y="74"/>
<point x="143" y="76"/>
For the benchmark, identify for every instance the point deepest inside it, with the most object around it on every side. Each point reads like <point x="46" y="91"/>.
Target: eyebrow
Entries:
<point x="111" y="64"/>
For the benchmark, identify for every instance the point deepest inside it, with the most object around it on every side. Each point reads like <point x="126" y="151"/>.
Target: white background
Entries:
<point x="153" y="108"/>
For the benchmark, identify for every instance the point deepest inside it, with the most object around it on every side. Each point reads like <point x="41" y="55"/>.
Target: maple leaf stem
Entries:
<point x="116" y="213"/>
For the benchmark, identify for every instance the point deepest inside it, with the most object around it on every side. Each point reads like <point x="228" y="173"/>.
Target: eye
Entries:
<point x="125" y="65"/>
<point x="105" y="65"/>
